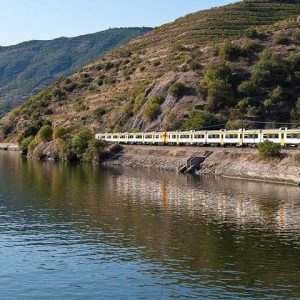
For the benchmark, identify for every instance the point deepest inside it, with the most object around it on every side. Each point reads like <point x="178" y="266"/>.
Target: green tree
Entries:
<point x="59" y="132"/>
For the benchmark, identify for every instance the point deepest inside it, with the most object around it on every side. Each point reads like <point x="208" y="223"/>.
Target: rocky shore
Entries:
<point x="9" y="147"/>
<point x="227" y="162"/>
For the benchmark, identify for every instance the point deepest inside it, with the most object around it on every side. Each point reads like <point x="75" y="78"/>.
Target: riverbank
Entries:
<point x="9" y="147"/>
<point x="227" y="162"/>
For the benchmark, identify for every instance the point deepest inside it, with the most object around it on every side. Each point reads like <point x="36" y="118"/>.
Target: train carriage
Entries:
<point x="233" y="137"/>
<point x="292" y="137"/>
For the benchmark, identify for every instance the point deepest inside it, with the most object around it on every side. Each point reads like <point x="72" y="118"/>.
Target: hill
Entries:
<point x="218" y="66"/>
<point x="31" y="66"/>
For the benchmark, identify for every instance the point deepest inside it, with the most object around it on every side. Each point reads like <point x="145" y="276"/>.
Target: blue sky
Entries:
<point x="22" y="20"/>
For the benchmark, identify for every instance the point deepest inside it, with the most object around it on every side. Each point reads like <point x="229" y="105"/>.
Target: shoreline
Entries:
<point x="235" y="163"/>
<point x="9" y="147"/>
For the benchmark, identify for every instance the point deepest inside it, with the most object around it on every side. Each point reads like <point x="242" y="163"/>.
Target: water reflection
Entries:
<point x="180" y="236"/>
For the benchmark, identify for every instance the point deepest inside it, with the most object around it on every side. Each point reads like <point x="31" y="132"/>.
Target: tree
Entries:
<point x="59" y="132"/>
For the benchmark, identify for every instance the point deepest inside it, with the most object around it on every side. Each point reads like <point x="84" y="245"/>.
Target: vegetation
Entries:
<point x="269" y="149"/>
<point x="228" y="81"/>
<point x="153" y="108"/>
<point x="33" y="65"/>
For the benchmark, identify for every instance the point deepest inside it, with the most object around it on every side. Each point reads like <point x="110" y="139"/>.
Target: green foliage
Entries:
<point x="176" y="89"/>
<point x="269" y="149"/>
<point x="234" y="124"/>
<point x="59" y="133"/>
<point x="198" y="120"/>
<point x="24" y="145"/>
<point x="45" y="134"/>
<point x="270" y="69"/>
<point x="80" y="141"/>
<point x="219" y="95"/>
<point x="282" y="39"/>
<point x="218" y="71"/>
<point x="152" y="111"/>
<point x="247" y="88"/>
<point x="92" y="153"/>
<point x="230" y="51"/>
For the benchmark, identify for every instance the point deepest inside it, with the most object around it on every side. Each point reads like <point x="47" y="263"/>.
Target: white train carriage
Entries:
<point x="292" y="137"/>
<point x="199" y="138"/>
<point x="215" y="138"/>
<point x="233" y="137"/>
<point x="251" y="137"/>
<point x="275" y="136"/>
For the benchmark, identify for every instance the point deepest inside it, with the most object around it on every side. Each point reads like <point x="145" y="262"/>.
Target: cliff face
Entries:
<point x="213" y="66"/>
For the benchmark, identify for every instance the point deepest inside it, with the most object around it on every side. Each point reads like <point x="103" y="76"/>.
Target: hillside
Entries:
<point x="218" y="66"/>
<point x="29" y="67"/>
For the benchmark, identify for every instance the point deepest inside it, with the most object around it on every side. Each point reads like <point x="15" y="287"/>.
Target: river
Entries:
<point x="85" y="232"/>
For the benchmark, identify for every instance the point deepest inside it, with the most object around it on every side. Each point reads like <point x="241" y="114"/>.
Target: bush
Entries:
<point x="219" y="95"/>
<point x="176" y="89"/>
<point x="270" y="69"/>
<point x="234" y="124"/>
<point x="247" y="88"/>
<point x="24" y="144"/>
<point x="59" y="132"/>
<point x="152" y="111"/>
<point x="217" y="71"/>
<point x="282" y="39"/>
<point x="230" y="51"/>
<point x="45" y="134"/>
<point x="80" y="141"/>
<point x="199" y="120"/>
<point x="269" y="149"/>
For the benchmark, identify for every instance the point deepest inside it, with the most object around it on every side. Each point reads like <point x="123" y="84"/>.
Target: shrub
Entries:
<point x="92" y="153"/>
<point x="282" y="39"/>
<point x="234" y="124"/>
<point x="269" y="149"/>
<point x="24" y="144"/>
<point x="176" y="89"/>
<point x="270" y="69"/>
<point x="199" y="120"/>
<point x="80" y="142"/>
<point x="219" y="95"/>
<point x="59" y="132"/>
<point x="217" y="71"/>
<point x="45" y="134"/>
<point x="247" y="88"/>
<point x="230" y="51"/>
<point x="99" y="112"/>
<point x="152" y="111"/>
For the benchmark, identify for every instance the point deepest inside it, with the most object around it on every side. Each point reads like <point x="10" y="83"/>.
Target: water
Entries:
<point x="81" y="232"/>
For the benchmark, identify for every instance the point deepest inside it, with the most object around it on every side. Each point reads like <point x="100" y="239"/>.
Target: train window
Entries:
<point x="131" y="137"/>
<point x="122" y="137"/>
<point x="199" y="136"/>
<point x="214" y="136"/>
<point x="109" y="136"/>
<point x="139" y="136"/>
<point x="265" y="136"/>
<point x="115" y="137"/>
<point x="173" y="136"/>
<point x="231" y="136"/>
<point x="157" y="136"/>
<point x="276" y="136"/>
<point x="185" y="136"/>
<point x="296" y="136"/>
<point x="148" y="137"/>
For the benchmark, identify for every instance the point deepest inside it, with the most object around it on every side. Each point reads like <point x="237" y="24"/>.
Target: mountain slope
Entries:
<point x="31" y="66"/>
<point x="186" y="74"/>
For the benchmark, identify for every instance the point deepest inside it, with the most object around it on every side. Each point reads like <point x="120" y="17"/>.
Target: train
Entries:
<point x="241" y="137"/>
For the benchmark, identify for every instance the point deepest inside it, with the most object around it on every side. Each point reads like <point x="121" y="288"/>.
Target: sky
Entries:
<point x="23" y="20"/>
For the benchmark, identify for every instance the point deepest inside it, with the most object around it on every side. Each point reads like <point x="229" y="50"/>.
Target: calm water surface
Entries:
<point x="81" y="232"/>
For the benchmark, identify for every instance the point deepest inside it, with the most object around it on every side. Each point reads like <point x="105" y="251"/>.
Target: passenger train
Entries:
<point x="283" y="136"/>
